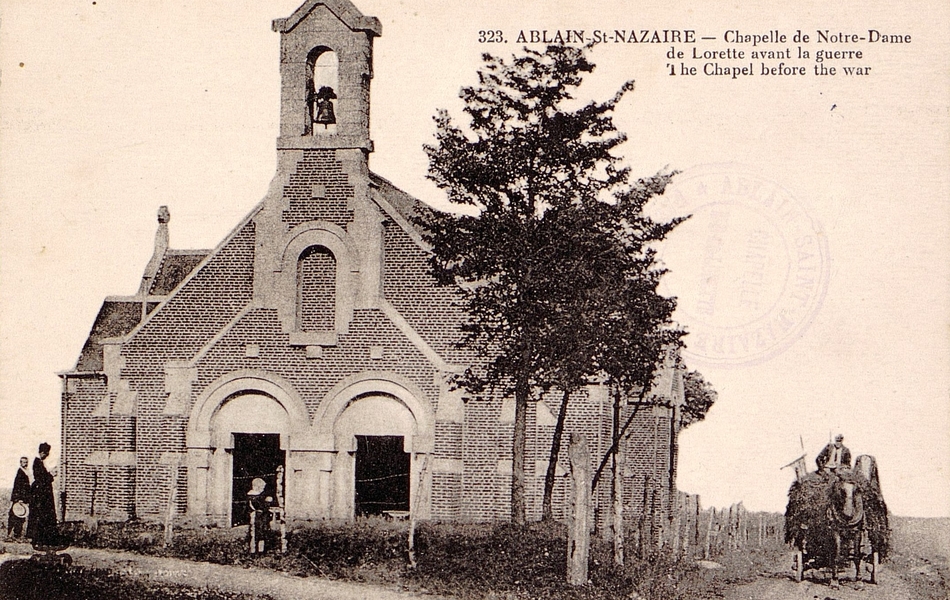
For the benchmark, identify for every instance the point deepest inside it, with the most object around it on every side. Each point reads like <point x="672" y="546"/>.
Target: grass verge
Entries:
<point x="468" y="561"/>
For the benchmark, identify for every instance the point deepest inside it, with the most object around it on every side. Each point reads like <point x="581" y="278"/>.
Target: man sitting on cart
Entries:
<point x="834" y="456"/>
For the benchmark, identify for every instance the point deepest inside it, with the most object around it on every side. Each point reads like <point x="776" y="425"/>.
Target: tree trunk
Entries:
<point x="547" y="513"/>
<point x="518" y="512"/>
<point x="623" y="431"/>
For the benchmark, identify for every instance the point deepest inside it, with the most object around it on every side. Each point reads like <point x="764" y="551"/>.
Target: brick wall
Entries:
<point x="85" y="434"/>
<point x="316" y="285"/>
<point x="319" y="175"/>
<point x="313" y="377"/>
<point x="431" y="310"/>
<point x="486" y="444"/>
<point x="202" y="307"/>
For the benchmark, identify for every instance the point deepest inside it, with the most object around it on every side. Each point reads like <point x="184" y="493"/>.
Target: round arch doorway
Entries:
<point x="375" y="477"/>
<point x="250" y="432"/>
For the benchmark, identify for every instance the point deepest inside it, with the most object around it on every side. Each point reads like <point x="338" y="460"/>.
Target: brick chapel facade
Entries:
<point x="312" y="342"/>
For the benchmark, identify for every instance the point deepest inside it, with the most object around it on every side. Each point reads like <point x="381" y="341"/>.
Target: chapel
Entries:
<point x="311" y="348"/>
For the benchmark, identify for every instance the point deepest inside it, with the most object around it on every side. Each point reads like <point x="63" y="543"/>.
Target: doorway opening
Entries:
<point x="254" y="455"/>
<point x="382" y="474"/>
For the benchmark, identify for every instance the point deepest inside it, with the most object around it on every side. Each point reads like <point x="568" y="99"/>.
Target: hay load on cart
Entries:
<point x="837" y="517"/>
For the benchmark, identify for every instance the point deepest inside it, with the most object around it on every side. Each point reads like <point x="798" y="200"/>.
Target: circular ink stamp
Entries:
<point x="749" y="268"/>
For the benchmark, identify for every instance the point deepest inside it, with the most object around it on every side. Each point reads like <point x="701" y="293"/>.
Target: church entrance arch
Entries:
<point x="381" y="428"/>
<point x="374" y="472"/>
<point x="249" y="433"/>
<point x="240" y="429"/>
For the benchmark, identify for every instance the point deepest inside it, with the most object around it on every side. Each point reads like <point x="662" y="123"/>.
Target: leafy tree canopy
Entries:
<point x="557" y="221"/>
<point x="555" y="267"/>
<point x="700" y="396"/>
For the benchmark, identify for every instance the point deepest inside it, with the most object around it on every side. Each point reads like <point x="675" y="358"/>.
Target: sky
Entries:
<point x="813" y="276"/>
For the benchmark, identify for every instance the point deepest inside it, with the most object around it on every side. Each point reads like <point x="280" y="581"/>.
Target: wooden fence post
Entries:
<point x="686" y="524"/>
<point x="730" y="529"/>
<point x="170" y="512"/>
<point x="696" y="539"/>
<point x="675" y="533"/>
<point x="280" y="513"/>
<point x="578" y="539"/>
<point x="618" y="504"/>
<point x="414" y="510"/>
<point x="252" y="532"/>
<point x="761" y="532"/>
<point x="656" y="533"/>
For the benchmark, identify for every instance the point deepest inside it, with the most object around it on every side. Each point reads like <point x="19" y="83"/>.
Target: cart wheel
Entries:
<point x="875" y="560"/>
<point x="799" y="565"/>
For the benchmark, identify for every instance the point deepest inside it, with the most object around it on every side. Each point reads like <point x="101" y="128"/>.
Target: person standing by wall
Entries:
<point x="259" y="528"/>
<point x="19" y="500"/>
<point x="41" y="528"/>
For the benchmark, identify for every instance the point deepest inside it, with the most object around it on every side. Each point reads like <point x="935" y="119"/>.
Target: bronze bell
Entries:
<point x="323" y="107"/>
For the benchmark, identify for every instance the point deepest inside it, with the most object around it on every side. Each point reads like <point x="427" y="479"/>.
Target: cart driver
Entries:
<point x="833" y="456"/>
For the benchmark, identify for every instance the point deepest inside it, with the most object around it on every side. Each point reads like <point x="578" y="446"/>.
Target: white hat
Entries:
<point x="20" y="510"/>
<point x="257" y="487"/>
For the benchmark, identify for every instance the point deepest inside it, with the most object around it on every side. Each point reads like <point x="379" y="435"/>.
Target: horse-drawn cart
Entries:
<point x="837" y="518"/>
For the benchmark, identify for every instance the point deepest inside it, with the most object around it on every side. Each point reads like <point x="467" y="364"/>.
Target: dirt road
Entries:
<point x="781" y="586"/>
<point x="250" y="581"/>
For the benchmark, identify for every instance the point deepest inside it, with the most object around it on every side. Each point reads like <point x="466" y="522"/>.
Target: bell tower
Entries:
<point x="319" y="233"/>
<point x="326" y="50"/>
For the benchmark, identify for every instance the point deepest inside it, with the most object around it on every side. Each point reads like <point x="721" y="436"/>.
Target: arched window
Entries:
<point x="322" y="90"/>
<point x="316" y="290"/>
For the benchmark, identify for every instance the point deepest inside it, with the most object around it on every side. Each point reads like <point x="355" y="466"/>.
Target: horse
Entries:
<point x="831" y="516"/>
<point x="846" y="515"/>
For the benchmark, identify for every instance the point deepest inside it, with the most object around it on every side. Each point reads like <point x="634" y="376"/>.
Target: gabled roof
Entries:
<point x="116" y="318"/>
<point x="407" y="206"/>
<point x="344" y="10"/>
<point x="175" y="266"/>
<point x="401" y="207"/>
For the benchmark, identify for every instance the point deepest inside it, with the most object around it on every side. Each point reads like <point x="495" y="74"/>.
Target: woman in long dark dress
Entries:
<point x="41" y="528"/>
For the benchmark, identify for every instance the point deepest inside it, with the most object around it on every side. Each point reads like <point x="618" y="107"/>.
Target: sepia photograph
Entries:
<point x="359" y="299"/>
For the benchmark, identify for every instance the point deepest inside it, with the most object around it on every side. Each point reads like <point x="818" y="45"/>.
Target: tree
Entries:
<point x="699" y="398"/>
<point x="553" y="261"/>
<point x="623" y="323"/>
